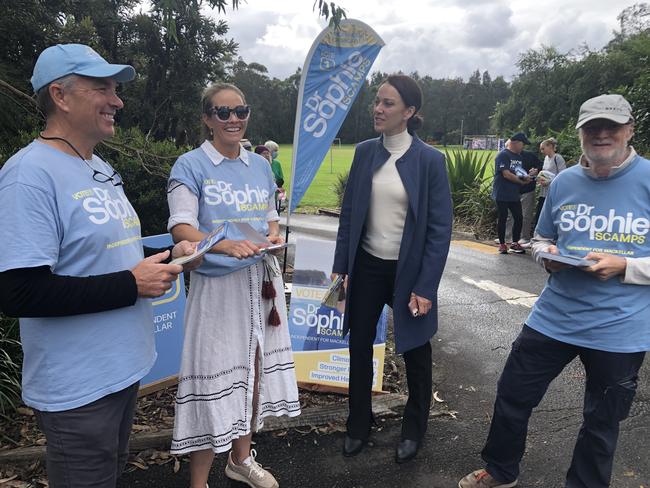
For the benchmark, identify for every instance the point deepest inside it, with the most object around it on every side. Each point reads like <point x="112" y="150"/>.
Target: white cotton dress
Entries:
<point x="226" y="318"/>
<point x="214" y="403"/>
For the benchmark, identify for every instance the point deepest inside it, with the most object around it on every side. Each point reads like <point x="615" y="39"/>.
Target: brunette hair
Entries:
<point x="206" y="101"/>
<point x="411" y="95"/>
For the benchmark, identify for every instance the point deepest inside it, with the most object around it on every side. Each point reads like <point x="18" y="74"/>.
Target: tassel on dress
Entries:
<point x="269" y="293"/>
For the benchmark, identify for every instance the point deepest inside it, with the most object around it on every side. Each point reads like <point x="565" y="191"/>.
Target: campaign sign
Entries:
<point x="334" y="72"/>
<point x="319" y="349"/>
<point x="168" y="312"/>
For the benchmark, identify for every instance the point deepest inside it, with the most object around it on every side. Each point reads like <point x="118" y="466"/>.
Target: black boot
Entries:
<point x="352" y="447"/>
<point x="406" y="450"/>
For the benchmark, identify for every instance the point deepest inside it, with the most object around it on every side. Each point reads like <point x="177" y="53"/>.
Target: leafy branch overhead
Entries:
<point x="170" y="9"/>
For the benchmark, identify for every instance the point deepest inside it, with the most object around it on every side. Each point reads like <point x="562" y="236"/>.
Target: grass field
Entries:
<point x="320" y="193"/>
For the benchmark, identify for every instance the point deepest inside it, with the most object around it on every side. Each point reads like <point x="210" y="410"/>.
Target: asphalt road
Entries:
<point x="484" y="299"/>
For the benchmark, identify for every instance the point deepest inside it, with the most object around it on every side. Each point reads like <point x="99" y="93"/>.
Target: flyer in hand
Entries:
<point x="566" y="259"/>
<point x="335" y="293"/>
<point x="255" y="237"/>
<point x="204" y="246"/>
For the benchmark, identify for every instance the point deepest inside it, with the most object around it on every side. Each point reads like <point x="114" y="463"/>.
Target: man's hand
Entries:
<point x="237" y="249"/>
<point x="553" y="266"/>
<point x="419" y="304"/>
<point x="187" y="248"/>
<point x="607" y="266"/>
<point x="153" y="278"/>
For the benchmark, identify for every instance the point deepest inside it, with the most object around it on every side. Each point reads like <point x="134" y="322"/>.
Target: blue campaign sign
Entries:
<point x="335" y="70"/>
<point x="168" y="312"/>
<point x="320" y="351"/>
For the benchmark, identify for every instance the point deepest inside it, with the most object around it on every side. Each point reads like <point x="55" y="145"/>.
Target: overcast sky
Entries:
<point x="443" y="38"/>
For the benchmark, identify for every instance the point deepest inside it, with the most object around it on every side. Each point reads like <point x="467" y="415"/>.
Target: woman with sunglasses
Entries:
<point x="392" y="245"/>
<point x="237" y="365"/>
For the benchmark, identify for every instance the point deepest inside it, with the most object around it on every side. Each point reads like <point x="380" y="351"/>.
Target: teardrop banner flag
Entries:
<point x="335" y="69"/>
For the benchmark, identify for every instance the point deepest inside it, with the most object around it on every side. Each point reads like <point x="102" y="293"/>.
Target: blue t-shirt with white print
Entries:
<point x="502" y="189"/>
<point x="610" y="215"/>
<point x="55" y="214"/>
<point x="228" y="190"/>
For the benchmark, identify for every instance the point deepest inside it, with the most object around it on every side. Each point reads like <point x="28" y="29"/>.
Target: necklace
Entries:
<point x="55" y="138"/>
<point x="98" y="176"/>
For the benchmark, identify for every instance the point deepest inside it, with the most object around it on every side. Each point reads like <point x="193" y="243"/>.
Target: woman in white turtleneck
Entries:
<point x="392" y="244"/>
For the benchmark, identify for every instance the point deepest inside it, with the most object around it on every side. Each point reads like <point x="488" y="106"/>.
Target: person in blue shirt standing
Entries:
<point x="599" y="210"/>
<point x="237" y="365"/>
<point x="509" y="177"/>
<point x="73" y="269"/>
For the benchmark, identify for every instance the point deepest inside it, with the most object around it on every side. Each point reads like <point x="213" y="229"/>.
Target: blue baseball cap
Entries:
<point x="519" y="136"/>
<point x="76" y="59"/>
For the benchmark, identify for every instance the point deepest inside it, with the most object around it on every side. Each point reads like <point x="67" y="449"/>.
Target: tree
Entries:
<point x="633" y="20"/>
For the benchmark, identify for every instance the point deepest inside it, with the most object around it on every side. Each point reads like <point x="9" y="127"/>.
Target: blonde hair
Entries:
<point x="552" y="141"/>
<point x="206" y="101"/>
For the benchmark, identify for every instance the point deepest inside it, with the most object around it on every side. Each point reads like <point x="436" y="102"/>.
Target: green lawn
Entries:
<point x="320" y="193"/>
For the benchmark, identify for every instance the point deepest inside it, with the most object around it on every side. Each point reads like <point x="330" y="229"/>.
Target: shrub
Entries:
<point x="11" y="357"/>
<point x="339" y="187"/>
<point x="476" y="211"/>
<point x="465" y="170"/>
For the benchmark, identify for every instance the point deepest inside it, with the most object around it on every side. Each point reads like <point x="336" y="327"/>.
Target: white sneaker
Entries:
<point x="254" y="475"/>
<point x="525" y="243"/>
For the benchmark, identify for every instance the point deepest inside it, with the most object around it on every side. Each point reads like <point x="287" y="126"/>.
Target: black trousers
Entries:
<point x="373" y="287"/>
<point x="538" y="210"/>
<point x="502" y="217"/>
<point x="88" y="446"/>
<point x="534" y="361"/>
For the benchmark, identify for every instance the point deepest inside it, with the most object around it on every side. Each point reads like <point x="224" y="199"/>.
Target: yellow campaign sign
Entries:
<point x="320" y="351"/>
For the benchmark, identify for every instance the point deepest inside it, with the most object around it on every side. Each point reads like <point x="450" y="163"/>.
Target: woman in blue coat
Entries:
<point x="392" y="244"/>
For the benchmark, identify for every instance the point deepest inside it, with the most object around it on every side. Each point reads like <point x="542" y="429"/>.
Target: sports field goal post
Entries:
<point x="481" y="141"/>
<point x="336" y="143"/>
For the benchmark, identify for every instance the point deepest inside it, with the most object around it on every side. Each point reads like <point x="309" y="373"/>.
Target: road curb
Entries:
<point x="384" y="405"/>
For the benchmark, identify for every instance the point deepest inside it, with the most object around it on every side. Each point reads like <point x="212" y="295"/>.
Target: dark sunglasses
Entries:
<point x="242" y="112"/>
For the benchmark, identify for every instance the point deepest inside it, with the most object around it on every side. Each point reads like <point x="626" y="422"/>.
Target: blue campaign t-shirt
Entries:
<point x="502" y="189"/>
<point x="55" y="214"/>
<point x="610" y="215"/>
<point x="228" y="190"/>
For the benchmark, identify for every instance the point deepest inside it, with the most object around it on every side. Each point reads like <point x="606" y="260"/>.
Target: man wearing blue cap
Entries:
<point x="598" y="210"/>
<point x="509" y="177"/>
<point x="73" y="270"/>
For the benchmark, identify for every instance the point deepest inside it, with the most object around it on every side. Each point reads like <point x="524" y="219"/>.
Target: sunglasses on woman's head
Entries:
<point x="223" y="113"/>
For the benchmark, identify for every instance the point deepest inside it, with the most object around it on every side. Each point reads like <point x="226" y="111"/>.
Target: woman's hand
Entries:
<point x="276" y="239"/>
<point x="607" y="265"/>
<point x="419" y="305"/>
<point x="236" y="249"/>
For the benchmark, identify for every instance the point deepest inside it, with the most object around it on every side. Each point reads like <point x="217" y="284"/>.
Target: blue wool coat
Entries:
<point x="425" y="241"/>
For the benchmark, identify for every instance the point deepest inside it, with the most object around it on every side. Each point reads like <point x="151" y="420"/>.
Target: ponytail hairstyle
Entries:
<point x="552" y="141"/>
<point x="411" y="95"/>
